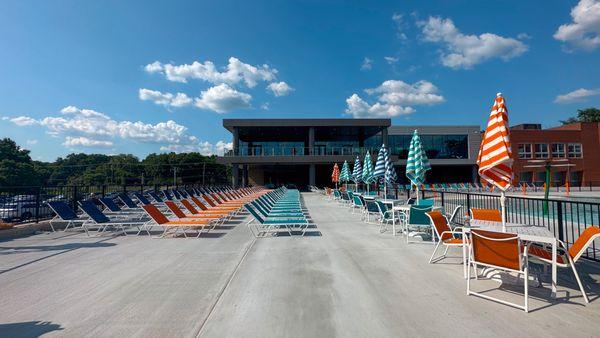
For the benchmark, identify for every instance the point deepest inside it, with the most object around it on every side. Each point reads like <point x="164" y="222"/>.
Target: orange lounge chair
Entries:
<point x="446" y="236"/>
<point x="490" y="215"/>
<point x="161" y="220"/>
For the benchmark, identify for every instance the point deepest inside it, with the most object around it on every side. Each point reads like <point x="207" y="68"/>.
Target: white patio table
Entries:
<point x="528" y="233"/>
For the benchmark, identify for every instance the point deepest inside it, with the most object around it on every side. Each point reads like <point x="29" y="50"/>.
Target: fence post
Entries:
<point x="407" y="194"/>
<point x="103" y="193"/>
<point x="74" y="197"/>
<point x="37" y="204"/>
<point x="559" y="214"/>
<point x="124" y="188"/>
<point x="468" y="203"/>
<point x="442" y="197"/>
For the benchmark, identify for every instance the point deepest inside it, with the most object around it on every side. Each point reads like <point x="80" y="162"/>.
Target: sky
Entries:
<point x="157" y="76"/>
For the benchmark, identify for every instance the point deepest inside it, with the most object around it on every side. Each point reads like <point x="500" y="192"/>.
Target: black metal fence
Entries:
<point x="27" y="204"/>
<point x="566" y="218"/>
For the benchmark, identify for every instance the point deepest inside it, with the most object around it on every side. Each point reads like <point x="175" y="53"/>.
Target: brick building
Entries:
<point x="573" y="151"/>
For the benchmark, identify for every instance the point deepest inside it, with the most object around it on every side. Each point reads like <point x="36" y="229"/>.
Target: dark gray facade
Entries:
<point x="302" y="151"/>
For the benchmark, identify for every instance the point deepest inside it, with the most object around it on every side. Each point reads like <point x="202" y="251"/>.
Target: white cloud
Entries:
<point x="81" y="141"/>
<point x="367" y="64"/>
<point x="164" y="99"/>
<point x="400" y="23"/>
<point x="279" y="88"/>
<point x="390" y="59"/>
<point x="265" y="106"/>
<point x="22" y="121"/>
<point x="401" y="93"/>
<point x="577" y="95"/>
<point x="394" y="98"/>
<point x="89" y="128"/>
<point x="235" y="72"/>
<point x="359" y="108"/>
<point x="466" y="51"/>
<point x="31" y="142"/>
<point x="205" y="148"/>
<point x="222" y="98"/>
<point x="584" y="31"/>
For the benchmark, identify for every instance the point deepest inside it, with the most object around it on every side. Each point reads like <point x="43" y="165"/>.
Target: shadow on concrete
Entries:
<point x="28" y="329"/>
<point x="69" y="246"/>
<point x="63" y="248"/>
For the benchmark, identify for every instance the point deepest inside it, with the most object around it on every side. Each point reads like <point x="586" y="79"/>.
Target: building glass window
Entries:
<point x="541" y="150"/>
<point x="575" y="150"/>
<point x="558" y="150"/>
<point x="435" y="146"/>
<point x="525" y="151"/>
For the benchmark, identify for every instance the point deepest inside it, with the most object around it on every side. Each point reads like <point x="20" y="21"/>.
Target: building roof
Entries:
<point x="348" y="122"/>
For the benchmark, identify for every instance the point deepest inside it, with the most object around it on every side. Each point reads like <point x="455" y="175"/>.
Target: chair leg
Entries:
<point x="434" y="251"/>
<point x="526" y="274"/>
<point x="585" y="297"/>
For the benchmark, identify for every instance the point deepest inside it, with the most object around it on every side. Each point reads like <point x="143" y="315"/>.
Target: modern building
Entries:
<point x="571" y="150"/>
<point x="302" y="151"/>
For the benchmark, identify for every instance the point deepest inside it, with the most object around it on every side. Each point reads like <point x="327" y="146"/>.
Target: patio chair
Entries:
<point x="567" y="257"/>
<point x="502" y="251"/>
<point x="385" y="216"/>
<point x="452" y="217"/>
<point x="140" y="197"/>
<point x="423" y="203"/>
<point x="418" y="220"/>
<point x="356" y="203"/>
<point x="115" y="210"/>
<point x="156" y="197"/>
<point x="371" y="209"/>
<point x="64" y="214"/>
<point x="159" y="219"/>
<point x="490" y="215"/>
<point x="446" y="236"/>
<point x="97" y="218"/>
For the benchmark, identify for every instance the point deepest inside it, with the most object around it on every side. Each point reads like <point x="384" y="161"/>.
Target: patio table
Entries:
<point x="527" y="233"/>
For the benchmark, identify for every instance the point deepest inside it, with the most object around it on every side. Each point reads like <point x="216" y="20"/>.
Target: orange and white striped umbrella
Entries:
<point x="335" y="175"/>
<point x="495" y="156"/>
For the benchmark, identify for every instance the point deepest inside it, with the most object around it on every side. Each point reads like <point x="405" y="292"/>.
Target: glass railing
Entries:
<point x="301" y="151"/>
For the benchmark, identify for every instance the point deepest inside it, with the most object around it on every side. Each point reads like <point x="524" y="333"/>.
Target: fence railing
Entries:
<point x="26" y="204"/>
<point x="565" y="218"/>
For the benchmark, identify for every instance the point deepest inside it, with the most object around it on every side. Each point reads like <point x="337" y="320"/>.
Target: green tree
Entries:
<point x="16" y="167"/>
<point x="584" y="115"/>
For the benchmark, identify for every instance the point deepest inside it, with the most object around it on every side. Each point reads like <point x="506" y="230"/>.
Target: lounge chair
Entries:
<point x="97" y="218"/>
<point x="567" y="257"/>
<point x="64" y="214"/>
<point x="129" y="203"/>
<point x="115" y="210"/>
<point x="501" y="251"/>
<point x="159" y="219"/>
<point x="267" y="225"/>
<point x="418" y="220"/>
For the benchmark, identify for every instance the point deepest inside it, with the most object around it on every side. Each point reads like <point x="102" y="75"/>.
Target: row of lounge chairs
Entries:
<point x="276" y="211"/>
<point x="175" y="211"/>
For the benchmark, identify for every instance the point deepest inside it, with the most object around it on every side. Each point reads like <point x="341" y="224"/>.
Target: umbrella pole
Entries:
<point x="416" y="185"/>
<point x="503" y="209"/>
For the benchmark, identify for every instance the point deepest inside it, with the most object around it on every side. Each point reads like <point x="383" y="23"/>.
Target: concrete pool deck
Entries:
<point x="343" y="279"/>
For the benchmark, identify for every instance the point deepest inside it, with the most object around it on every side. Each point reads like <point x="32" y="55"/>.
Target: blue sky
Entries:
<point x="104" y="76"/>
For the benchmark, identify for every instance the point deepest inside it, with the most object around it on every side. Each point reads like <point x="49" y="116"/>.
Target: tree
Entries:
<point x="584" y="115"/>
<point x="16" y="167"/>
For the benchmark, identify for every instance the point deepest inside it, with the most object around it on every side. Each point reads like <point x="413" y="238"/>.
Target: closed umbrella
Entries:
<point x="335" y="175"/>
<point x="417" y="163"/>
<point x="495" y="156"/>
<point x="345" y="175"/>
<point x="367" y="175"/>
<point x="381" y="166"/>
<point x="357" y="172"/>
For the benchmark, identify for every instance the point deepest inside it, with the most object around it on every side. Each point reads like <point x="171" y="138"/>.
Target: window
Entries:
<point x="558" y="150"/>
<point x="541" y="150"/>
<point x="525" y="151"/>
<point x="575" y="150"/>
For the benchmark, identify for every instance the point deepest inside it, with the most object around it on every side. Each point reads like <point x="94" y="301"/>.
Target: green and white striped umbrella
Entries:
<point x="381" y="164"/>
<point x="417" y="163"/>
<point x="345" y="174"/>
<point x="357" y="172"/>
<point x="367" y="175"/>
<point x="390" y="173"/>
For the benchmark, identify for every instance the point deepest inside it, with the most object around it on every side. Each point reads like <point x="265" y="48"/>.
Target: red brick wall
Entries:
<point x="588" y="134"/>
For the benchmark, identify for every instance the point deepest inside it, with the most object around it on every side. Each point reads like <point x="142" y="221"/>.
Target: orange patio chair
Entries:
<point x="490" y="215"/>
<point x="446" y="236"/>
<point x="502" y="251"/>
<point x="568" y="257"/>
